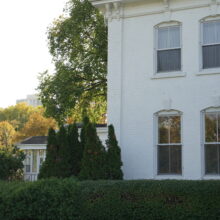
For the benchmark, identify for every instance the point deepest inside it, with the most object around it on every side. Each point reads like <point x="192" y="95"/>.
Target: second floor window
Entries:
<point x="211" y="44"/>
<point x="168" y="49"/>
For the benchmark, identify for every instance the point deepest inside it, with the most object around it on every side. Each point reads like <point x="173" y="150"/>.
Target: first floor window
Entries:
<point x="212" y="142"/>
<point x="169" y="147"/>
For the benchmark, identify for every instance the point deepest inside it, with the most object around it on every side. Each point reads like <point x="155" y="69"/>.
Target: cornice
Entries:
<point x="113" y="9"/>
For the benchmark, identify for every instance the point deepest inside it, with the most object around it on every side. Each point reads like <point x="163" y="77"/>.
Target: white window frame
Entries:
<point x="207" y="110"/>
<point x="166" y="74"/>
<point x="166" y="113"/>
<point x="211" y="70"/>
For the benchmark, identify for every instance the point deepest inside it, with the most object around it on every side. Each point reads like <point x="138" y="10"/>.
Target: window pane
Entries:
<point x="175" y="129"/>
<point x="211" y="159"/>
<point x="163" y="130"/>
<point x="169" y="37"/>
<point x="163" y="160"/>
<point x="211" y="56"/>
<point x="175" y="160"/>
<point x="27" y="168"/>
<point x="169" y="160"/>
<point x="211" y="127"/>
<point x="34" y="161"/>
<point x="169" y="60"/>
<point x="211" y="32"/>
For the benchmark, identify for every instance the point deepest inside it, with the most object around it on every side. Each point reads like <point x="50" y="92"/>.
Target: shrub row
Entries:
<point x="108" y="200"/>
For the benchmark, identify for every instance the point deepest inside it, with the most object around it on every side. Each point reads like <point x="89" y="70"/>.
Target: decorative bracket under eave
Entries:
<point x="113" y="10"/>
<point x="166" y="5"/>
<point x="213" y="7"/>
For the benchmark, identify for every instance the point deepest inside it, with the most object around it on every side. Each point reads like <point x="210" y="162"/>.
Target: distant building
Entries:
<point x="35" y="147"/>
<point x="32" y="100"/>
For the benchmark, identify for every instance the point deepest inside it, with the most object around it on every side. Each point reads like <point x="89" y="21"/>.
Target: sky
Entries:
<point x="23" y="45"/>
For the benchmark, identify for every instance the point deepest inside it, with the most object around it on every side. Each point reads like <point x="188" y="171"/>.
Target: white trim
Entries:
<point x="168" y="75"/>
<point x="33" y="147"/>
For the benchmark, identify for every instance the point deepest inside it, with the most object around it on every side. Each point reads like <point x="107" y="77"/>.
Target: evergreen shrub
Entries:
<point x="66" y="199"/>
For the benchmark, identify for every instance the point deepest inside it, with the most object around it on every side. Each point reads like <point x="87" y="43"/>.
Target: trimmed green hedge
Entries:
<point x="110" y="200"/>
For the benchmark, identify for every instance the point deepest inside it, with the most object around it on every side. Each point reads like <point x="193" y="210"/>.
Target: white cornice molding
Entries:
<point x="167" y="10"/>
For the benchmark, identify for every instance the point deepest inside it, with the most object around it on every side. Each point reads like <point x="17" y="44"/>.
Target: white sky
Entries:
<point x="23" y="45"/>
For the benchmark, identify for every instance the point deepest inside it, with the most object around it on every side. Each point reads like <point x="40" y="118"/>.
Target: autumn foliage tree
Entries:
<point x="37" y="125"/>
<point x="7" y="134"/>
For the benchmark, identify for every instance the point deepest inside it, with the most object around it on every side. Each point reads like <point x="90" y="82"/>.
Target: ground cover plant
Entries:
<point x="70" y="199"/>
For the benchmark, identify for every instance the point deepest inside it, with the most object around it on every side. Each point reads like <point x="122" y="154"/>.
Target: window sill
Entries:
<point x="168" y="75"/>
<point x="209" y="72"/>
<point x="211" y="177"/>
<point x="167" y="177"/>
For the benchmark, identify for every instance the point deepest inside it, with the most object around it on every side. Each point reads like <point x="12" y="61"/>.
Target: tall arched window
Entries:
<point x="168" y="47"/>
<point x="212" y="140"/>
<point x="169" y="144"/>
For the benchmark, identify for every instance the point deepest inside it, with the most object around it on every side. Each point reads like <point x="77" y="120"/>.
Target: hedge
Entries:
<point x="110" y="200"/>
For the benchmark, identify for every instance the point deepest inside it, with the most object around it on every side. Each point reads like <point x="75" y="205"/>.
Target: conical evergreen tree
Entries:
<point x="64" y="167"/>
<point x="49" y="166"/>
<point x="75" y="149"/>
<point x="83" y="132"/>
<point x="114" y="162"/>
<point x="93" y="156"/>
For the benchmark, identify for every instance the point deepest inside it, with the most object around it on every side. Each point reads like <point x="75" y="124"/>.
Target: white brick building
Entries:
<point x="164" y="86"/>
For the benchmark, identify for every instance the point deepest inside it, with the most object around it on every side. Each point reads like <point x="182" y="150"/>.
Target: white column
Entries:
<point x="115" y="35"/>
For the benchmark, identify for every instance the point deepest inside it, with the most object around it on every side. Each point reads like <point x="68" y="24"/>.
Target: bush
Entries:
<point x="11" y="164"/>
<point x="106" y="200"/>
<point x="113" y="160"/>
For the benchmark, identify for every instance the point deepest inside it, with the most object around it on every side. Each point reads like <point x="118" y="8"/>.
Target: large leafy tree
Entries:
<point x="78" y="44"/>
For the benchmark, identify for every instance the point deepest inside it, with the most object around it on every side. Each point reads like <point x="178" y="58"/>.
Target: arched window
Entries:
<point x="168" y="47"/>
<point x="210" y="42"/>
<point x="211" y="134"/>
<point x="169" y="144"/>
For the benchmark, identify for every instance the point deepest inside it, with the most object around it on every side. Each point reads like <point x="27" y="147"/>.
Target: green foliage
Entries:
<point x="49" y="167"/>
<point x="64" y="163"/>
<point x="11" y="163"/>
<point x="122" y="200"/>
<point x="78" y="44"/>
<point x="94" y="155"/>
<point x="83" y="132"/>
<point x="75" y="149"/>
<point x="114" y="162"/>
